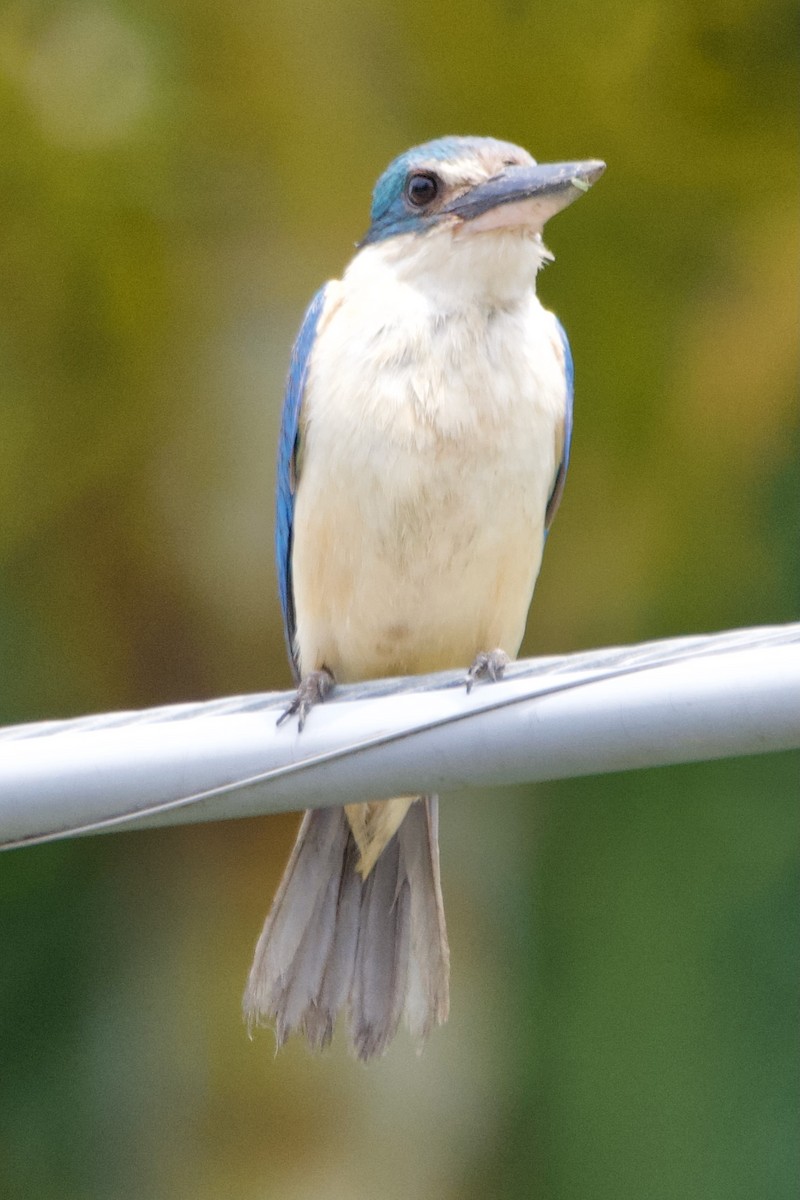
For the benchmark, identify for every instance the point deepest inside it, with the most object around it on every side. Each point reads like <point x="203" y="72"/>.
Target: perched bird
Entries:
<point x="423" y="448"/>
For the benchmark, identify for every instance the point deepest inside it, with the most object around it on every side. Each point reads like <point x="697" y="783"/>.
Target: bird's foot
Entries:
<point x="489" y="664"/>
<point x="312" y="690"/>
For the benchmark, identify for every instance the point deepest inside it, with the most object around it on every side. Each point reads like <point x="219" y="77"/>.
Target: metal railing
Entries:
<point x="680" y="700"/>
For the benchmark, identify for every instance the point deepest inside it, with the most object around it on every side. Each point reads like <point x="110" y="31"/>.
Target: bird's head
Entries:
<point x="471" y="199"/>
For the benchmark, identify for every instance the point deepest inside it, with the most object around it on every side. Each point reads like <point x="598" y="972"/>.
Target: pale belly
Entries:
<point x="418" y="530"/>
<point x="382" y="589"/>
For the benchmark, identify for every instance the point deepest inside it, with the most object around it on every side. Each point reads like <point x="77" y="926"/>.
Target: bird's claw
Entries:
<point x="312" y="690"/>
<point x="489" y="664"/>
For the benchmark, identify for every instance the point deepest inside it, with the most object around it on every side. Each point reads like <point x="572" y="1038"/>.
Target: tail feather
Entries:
<point x="378" y="994"/>
<point x="376" y="946"/>
<point x="304" y="978"/>
<point x="295" y="942"/>
<point x="320" y="1016"/>
<point x="428" y="994"/>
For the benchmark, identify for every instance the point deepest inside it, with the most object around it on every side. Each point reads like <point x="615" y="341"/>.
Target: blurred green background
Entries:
<point x="177" y="178"/>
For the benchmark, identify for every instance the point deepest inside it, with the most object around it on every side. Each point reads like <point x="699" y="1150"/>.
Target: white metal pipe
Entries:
<point x="663" y="702"/>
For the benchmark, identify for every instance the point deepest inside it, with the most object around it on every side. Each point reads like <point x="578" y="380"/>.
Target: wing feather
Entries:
<point x="561" y="473"/>
<point x="287" y="466"/>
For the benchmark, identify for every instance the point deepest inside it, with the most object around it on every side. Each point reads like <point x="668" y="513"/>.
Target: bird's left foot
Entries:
<point x="312" y="690"/>
<point x="490" y="664"/>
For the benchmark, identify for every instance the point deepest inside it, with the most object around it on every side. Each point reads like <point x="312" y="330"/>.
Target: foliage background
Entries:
<point x="177" y="179"/>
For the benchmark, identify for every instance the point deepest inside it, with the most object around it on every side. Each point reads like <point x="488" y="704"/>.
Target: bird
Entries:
<point x="423" y="448"/>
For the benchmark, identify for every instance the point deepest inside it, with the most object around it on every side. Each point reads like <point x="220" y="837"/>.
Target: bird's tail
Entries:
<point x="375" y="944"/>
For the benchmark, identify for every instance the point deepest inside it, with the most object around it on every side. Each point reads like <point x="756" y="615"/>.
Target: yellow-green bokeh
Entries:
<point x="176" y="181"/>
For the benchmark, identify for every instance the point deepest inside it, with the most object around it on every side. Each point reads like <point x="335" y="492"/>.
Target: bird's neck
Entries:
<point x="450" y="271"/>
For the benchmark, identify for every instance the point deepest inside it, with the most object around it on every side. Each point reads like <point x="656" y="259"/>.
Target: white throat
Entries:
<point x="456" y="267"/>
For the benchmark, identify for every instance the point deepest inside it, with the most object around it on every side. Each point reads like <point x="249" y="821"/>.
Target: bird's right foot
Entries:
<point x="490" y="664"/>
<point x="312" y="690"/>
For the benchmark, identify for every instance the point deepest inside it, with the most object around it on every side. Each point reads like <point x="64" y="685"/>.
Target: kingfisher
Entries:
<point x="423" y="448"/>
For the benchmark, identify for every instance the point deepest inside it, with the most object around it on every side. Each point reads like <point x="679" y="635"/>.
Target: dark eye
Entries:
<point x="421" y="189"/>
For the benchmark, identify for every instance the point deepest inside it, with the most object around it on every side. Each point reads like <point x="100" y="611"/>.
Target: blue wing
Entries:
<point x="561" y="474"/>
<point x="287" y="449"/>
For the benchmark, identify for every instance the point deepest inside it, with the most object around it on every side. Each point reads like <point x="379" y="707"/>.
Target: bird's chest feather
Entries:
<point x="428" y="451"/>
<point x="429" y="419"/>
